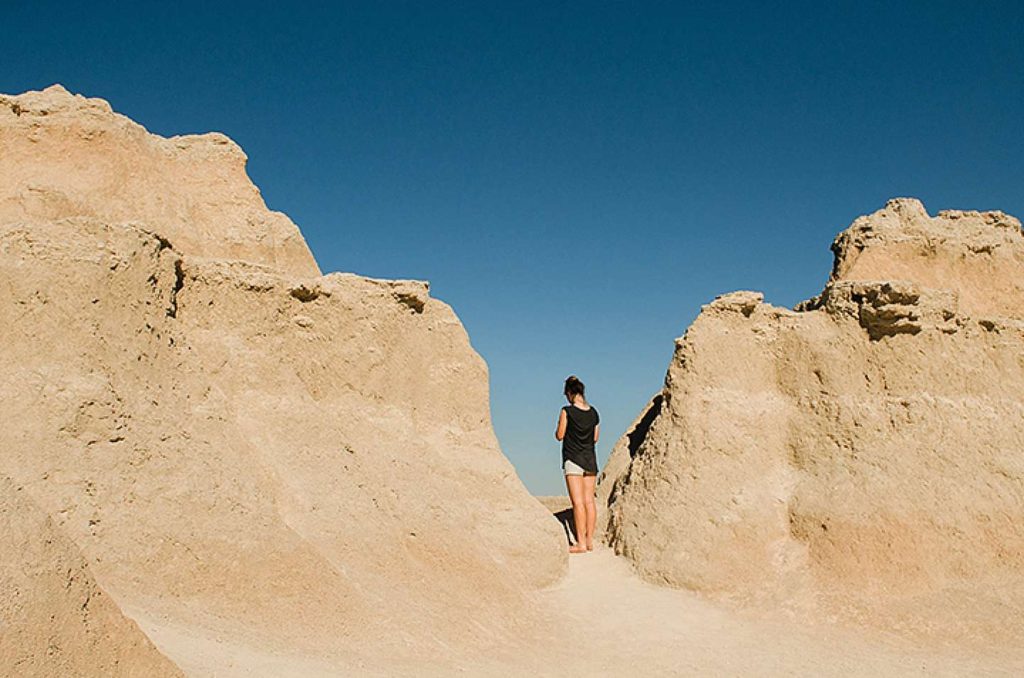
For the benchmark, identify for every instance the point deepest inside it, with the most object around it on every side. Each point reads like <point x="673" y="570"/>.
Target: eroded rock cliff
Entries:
<point x="861" y="458"/>
<point x="256" y="461"/>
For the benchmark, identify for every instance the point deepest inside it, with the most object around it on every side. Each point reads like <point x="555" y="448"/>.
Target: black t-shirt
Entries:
<point x="578" y="443"/>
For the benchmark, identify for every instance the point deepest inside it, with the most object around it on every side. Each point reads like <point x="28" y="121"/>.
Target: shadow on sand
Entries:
<point x="565" y="518"/>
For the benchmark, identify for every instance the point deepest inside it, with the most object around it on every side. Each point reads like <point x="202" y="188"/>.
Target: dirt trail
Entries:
<point x="614" y="623"/>
<point x="636" y="628"/>
<point x="601" y="619"/>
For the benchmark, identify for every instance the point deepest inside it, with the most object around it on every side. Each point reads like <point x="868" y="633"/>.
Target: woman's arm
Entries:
<point x="562" y="421"/>
<point x="597" y="432"/>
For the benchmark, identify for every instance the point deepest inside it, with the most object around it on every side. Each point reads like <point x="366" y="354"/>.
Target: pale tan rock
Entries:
<point x="272" y="473"/>
<point x="976" y="255"/>
<point x="258" y="464"/>
<point x="621" y="456"/>
<point x="54" y="619"/>
<point x="860" y="460"/>
<point x="63" y="155"/>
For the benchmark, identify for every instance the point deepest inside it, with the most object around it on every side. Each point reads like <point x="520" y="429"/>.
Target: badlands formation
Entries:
<point x="859" y="459"/>
<point x="245" y="459"/>
<point x="217" y="462"/>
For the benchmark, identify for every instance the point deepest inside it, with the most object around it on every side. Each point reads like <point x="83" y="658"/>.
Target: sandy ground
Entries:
<point x="603" y="620"/>
<point x="635" y="628"/>
<point x="616" y="624"/>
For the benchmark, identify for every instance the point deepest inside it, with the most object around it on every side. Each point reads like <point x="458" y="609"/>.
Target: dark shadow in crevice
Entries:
<point x="568" y="524"/>
<point x="639" y="432"/>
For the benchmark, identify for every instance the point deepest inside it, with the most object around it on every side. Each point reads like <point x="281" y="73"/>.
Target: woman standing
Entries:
<point x="578" y="429"/>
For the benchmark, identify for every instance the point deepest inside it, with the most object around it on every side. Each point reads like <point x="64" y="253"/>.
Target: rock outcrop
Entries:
<point x="860" y="458"/>
<point x="975" y="255"/>
<point x="255" y="461"/>
<point x="68" y="156"/>
<point x="54" y="619"/>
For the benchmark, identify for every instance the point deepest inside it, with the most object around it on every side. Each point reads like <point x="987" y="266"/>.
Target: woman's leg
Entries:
<point x="589" y="483"/>
<point x="579" y="512"/>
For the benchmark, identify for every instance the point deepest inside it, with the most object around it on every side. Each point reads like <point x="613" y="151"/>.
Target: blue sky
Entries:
<point x="576" y="179"/>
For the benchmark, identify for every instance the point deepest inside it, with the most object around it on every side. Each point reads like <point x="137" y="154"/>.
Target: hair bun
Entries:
<point x="573" y="385"/>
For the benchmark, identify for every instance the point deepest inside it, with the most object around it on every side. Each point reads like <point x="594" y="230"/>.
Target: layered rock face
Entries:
<point x="255" y="461"/>
<point x="976" y="255"/>
<point x="861" y="458"/>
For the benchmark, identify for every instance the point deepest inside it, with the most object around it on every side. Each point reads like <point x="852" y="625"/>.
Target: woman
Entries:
<point x="578" y="429"/>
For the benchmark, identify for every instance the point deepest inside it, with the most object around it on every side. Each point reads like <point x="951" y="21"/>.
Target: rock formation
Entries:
<point x="254" y="460"/>
<point x="860" y="458"/>
<point x="976" y="255"/>
<point x="67" y="156"/>
<point x="54" y="619"/>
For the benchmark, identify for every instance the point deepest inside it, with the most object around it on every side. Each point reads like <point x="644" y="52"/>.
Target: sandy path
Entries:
<point x="636" y="628"/>
<point x="601" y="619"/>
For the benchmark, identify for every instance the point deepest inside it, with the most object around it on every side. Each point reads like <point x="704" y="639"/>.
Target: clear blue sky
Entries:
<point x="576" y="179"/>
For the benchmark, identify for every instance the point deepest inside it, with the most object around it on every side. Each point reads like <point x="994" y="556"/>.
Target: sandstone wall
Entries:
<point x="859" y="460"/>
<point x="256" y="463"/>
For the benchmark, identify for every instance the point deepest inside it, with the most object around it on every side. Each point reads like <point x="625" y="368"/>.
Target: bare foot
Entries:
<point x="576" y="548"/>
<point x="590" y="546"/>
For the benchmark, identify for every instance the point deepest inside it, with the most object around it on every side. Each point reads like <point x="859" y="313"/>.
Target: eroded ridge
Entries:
<point x="260" y="465"/>
<point x="856" y="459"/>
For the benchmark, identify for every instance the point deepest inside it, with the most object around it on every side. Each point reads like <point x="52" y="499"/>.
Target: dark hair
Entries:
<point x="573" y="386"/>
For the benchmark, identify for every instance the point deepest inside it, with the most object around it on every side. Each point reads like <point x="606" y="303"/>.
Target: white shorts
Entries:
<point x="573" y="469"/>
